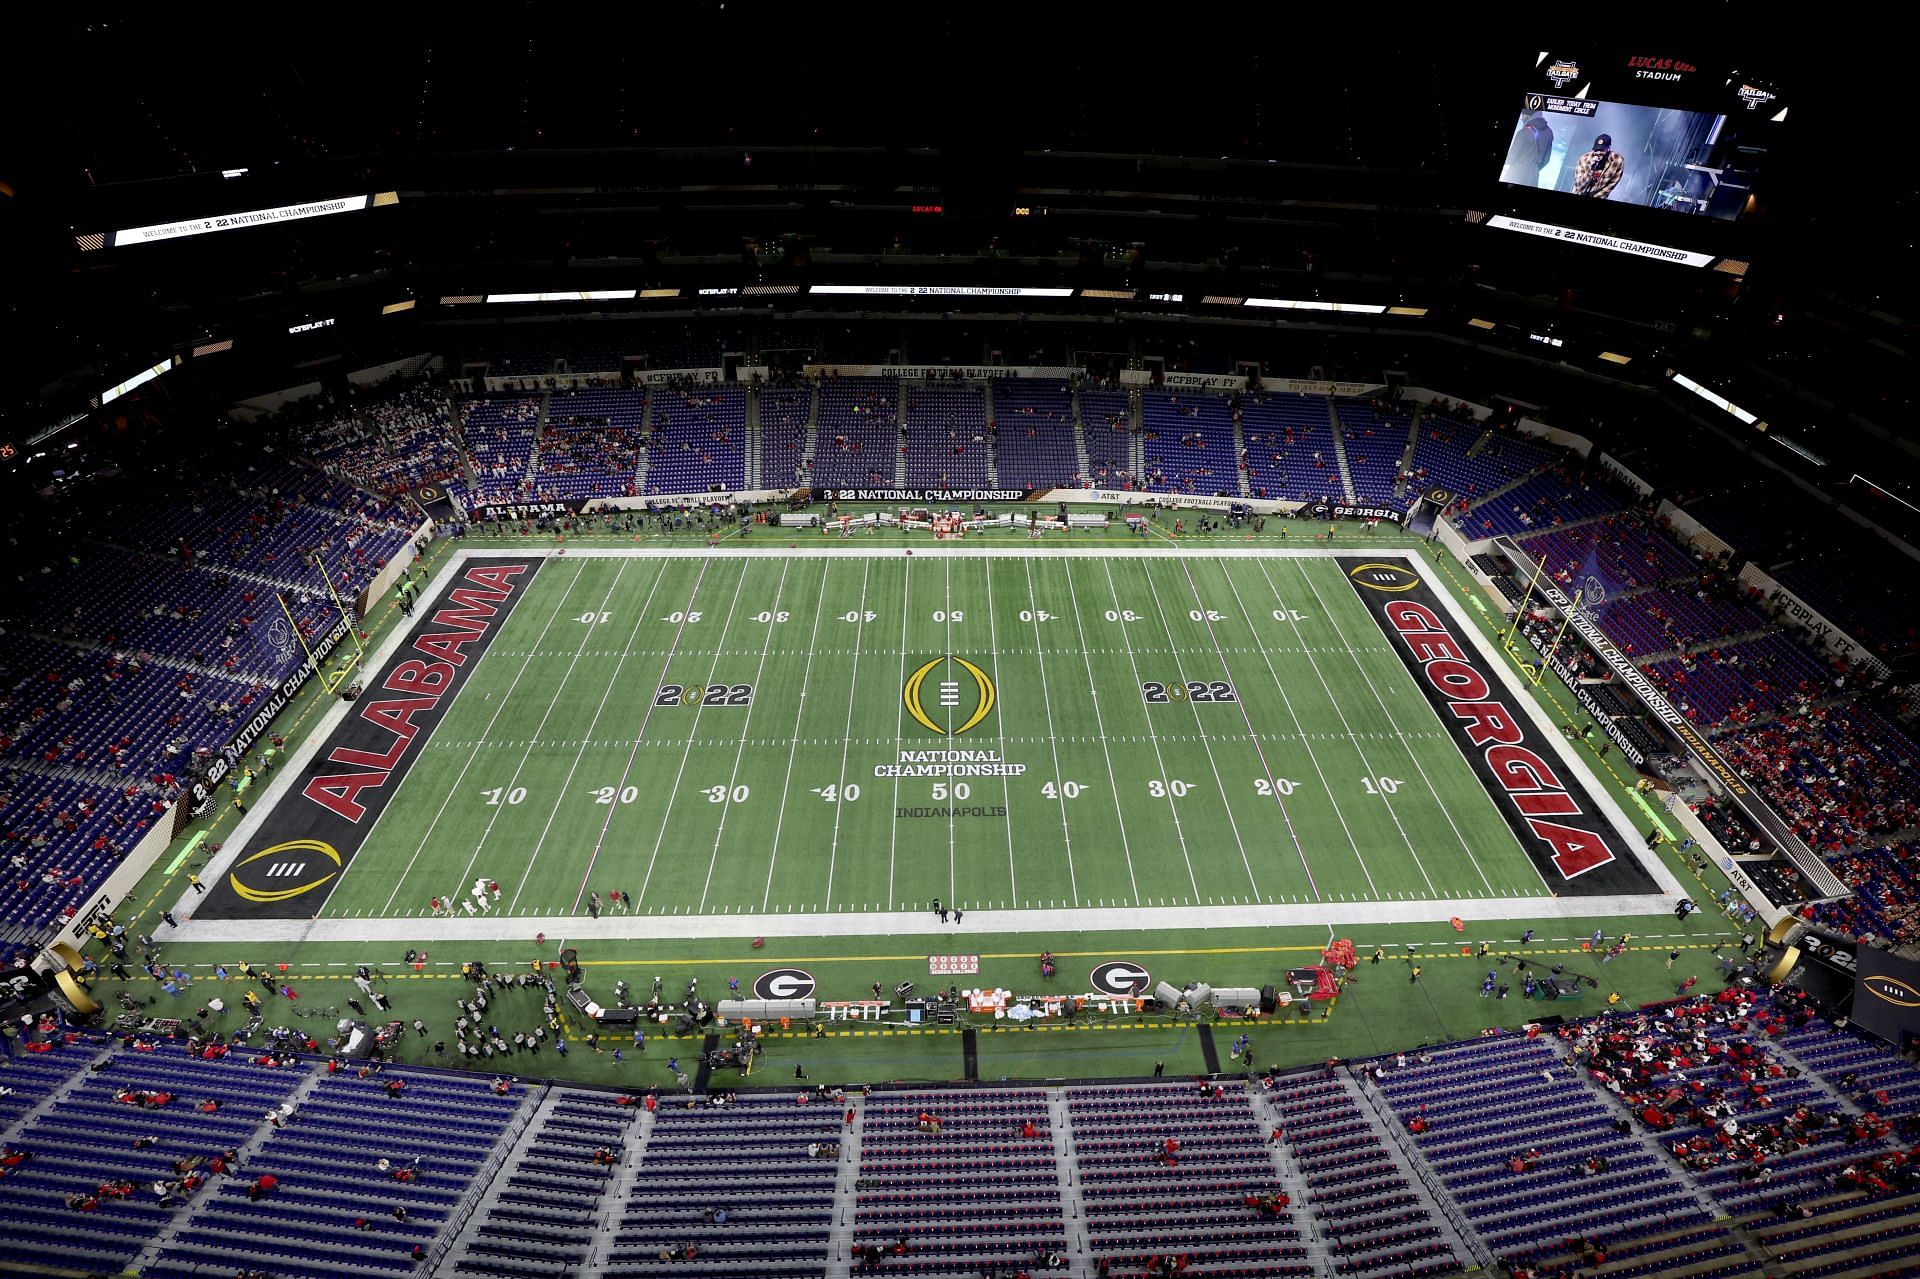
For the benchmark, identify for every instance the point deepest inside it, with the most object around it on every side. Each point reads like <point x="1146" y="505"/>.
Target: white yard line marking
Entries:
<point x="1099" y="723"/>
<point x="846" y="741"/>
<point x="639" y="620"/>
<point x="505" y="698"/>
<point x="900" y="723"/>
<point x="1385" y="799"/>
<point x="1053" y="740"/>
<point x="1226" y="801"/>
<point x="1408" y="746"/>
<point x="953" y="800"/>
<point x="673" y="795"/>
<point x="526" y="753"/>
<point x="793" y="748"/>
<point x="1000" y="734"/>
<point x="746" y="725"/>
<point x="645" y="717"/>
<point x="1273" y="780"/>
<point x="1153" y="737"/>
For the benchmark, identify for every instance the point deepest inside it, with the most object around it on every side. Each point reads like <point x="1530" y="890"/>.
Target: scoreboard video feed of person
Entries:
<point x="1644" y="127"/>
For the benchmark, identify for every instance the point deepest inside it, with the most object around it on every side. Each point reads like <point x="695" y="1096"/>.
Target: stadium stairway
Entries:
<point x="993" y="451"/>
<point x="1406" y="458"/>
<point x="1244" y="487"/>
<point x="900" y="420"/>
<point x="1080" y="458"/>
<point x="539" y="430"/>
<point x="546" y="1209"/>
<point x="165" y="1236"/>
<point x="646" y="429"/>
<point x="1073" y="1205"/>
<point x="845" y="1188"/>
<point x="1510" y="485"/>
<point x="1136" y="437"/>
<point x="1424" y="1183"/>
<point x="1340" y="449"/>
<point x="750" y="476"/>
<point x="606" y="1219"/>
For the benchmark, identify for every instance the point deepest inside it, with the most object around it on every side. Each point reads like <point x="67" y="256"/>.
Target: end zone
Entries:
<point x="290" y="861"/>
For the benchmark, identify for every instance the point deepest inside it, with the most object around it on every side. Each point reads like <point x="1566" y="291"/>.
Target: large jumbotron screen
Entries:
<point x="1644" y="128"/>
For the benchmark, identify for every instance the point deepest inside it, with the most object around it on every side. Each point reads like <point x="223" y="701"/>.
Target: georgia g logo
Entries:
<point x="949" y="700"/>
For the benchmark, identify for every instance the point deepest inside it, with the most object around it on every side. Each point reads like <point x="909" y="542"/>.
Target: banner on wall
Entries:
<point x="1798" y="611"/>
<point x="1886" y="995"/>
<point x="1341" y="511"/>
<point x="263" y="717"/>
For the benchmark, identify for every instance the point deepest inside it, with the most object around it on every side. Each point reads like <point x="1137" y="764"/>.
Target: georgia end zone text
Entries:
<point x="1562" y="828"/>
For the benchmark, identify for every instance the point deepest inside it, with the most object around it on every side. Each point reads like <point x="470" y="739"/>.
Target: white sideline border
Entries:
<point x="885" y="923"/>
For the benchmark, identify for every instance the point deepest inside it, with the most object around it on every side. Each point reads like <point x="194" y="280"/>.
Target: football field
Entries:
<point x="832" y="733"/>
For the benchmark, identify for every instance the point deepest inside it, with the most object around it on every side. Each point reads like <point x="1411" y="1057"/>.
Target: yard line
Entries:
<point x="953" y="801"/>
<point x="639" y="620"/>
<point x="899" y="723"/>
<point x="1354" y="737"/>
<point x="1093" y="698"/>
<point x="1000" y="731"/>
<point x="1273" y="782"/>
<point x="793" y="749"/>
<point x="1173" y="649"/>
<point x="586" y="636"/>
<point x="1412" y="754"/>
<point x="687" y="750"/>
<point x="1159" y="760"/>
<point x="475" y="753"/>
<point x="1046" y="699"/>
<point x="846" y="738"/>
<point x="746" y="725"/>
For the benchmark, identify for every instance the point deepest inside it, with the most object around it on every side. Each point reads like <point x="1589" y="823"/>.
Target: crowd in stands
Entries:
<point x="1632" y="1142"/>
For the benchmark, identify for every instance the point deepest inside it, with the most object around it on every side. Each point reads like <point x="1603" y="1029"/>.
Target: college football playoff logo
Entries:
<point x="948" y="702"/>
<point x="286" y="873"/>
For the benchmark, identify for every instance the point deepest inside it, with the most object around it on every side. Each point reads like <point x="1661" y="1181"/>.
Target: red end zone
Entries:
<point x="1560" y="825"/>
<point x="290" y="864"/>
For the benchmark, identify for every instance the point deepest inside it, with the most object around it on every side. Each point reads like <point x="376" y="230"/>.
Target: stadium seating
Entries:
<point x="1103" y="422"/>
<point x="392" y="442"/>
<point x="1552" y="497"/>
<point x="1189" y="443"/>
<point x="1374" y="435"/>
<point x="784" y="409"/>
<point x="590" y="446"/>
<point x="1034" y="434"/>
<point x="974" y="1194"/>
<point x="859" y="433"/>
<point x="1289" y="444"/>
<point x="500" y="438"/>
<point x="697" y="441"/>
<point x="1360" y="1192"/>
<point x="945" y="443"/>
<point x="748" y="1159"/>
<point x="1486" y="1104"/>
<point x="503" y="1179"/>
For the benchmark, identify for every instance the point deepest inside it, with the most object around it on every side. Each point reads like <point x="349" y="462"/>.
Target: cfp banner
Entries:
<point x="235" y="221"/>
<point x="1594" y="239"/>
<point x="1886" y="996"/>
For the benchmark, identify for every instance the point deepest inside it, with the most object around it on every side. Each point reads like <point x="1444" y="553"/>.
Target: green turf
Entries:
<point x="560" y="771"/>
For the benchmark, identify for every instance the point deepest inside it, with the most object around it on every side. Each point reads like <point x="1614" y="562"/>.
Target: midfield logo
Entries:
<point x="948" y="698"/>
